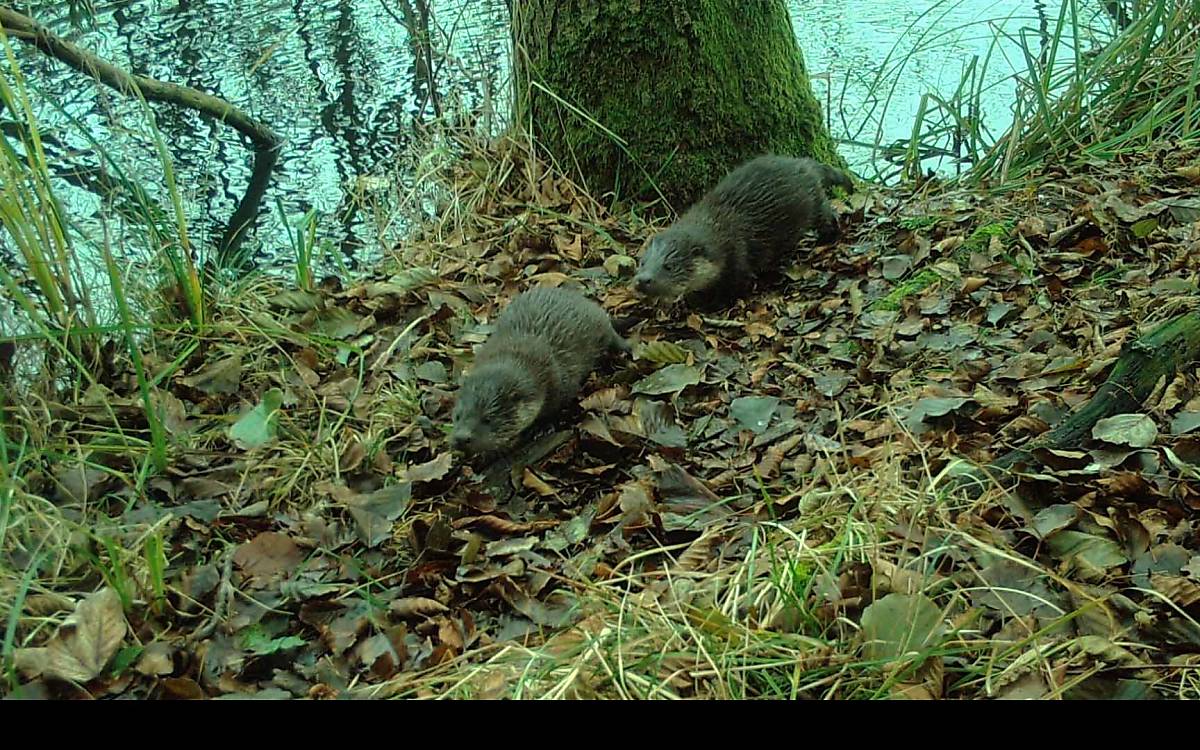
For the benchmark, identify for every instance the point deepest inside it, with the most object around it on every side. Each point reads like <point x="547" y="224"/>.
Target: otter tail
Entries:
<point x="831" y="177"/>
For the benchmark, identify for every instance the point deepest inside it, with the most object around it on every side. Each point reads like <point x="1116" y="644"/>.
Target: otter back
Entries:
<point x="742" y="228"/>
<point x="558" y="333"/>
<point x="544" y="345"/>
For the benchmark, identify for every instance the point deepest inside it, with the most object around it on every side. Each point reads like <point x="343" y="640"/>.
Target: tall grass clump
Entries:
<point x="1084" y="91"/>
<point x="76" y="322"/>
<point x="177" y="248"/>
<point x="57" y="290"/>
<point x="1137" y="88"/>
<point x="1087" y="86"/>
<point x="80" y="323"/>
<point x="54" y="295"/>
<point x="303" y="239"/>
<point x="946" y="125"/>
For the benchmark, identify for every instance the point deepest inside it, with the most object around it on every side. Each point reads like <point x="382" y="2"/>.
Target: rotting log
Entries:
<point x="1142" y="367"/>
<point x="266" y="142"/>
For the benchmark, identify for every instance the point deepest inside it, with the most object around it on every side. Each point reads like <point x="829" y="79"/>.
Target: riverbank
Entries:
<point x="755" y="506"/>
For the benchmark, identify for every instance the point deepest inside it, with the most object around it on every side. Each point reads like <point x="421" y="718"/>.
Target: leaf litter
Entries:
<point x="763" y="485"/>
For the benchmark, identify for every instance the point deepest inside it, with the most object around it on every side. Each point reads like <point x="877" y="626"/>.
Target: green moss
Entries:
<point x="913" y="223"/>
<point x="915" y="285"/>
<point x="690" y="87"/>
<point x="982" y="235"/>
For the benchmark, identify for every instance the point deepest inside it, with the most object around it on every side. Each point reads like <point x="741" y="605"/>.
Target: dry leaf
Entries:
<point x="88" y="639"/>
<point x="220" y="377"/>
<point x="430" y="470"/>
<point x="267" y="555"/>
<point x="417" y="606"/>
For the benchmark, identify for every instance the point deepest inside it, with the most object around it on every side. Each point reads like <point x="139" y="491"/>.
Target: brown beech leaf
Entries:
<point x="220" y="377"/>
<point x="374" y="513"/>
<point x="430" y="470"/>
<point x="267" y="555"/>
<point x="503" y="525"/>
<point x="88" y="639"/>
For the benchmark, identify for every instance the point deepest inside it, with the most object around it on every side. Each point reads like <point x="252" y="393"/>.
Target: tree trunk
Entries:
<point x="660" y="98"/>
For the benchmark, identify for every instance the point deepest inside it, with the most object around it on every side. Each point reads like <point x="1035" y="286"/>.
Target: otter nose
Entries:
<point x="642" y="284"/>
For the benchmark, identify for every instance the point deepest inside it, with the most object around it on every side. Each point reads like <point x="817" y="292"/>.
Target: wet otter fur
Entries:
<point x="544" y="345"/>
<point x="740" y="230"/>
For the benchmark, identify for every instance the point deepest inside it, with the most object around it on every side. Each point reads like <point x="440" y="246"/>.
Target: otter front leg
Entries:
<point x="828" y="230"/>
<point x="618" y="344"/>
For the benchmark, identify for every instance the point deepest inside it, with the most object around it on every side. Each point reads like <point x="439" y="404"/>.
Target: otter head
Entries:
<point x="679" y="261"/>
<point x="495" y="404"/>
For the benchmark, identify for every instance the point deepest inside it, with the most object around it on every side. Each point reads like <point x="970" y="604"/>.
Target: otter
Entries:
<point x="545" y="343"/>
<point x="740" y="230"/>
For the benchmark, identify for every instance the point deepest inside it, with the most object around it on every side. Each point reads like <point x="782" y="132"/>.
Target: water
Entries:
<point x="339" y="80"/>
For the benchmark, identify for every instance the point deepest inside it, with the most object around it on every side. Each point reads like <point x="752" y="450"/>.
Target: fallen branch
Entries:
<point x="26" y="29"/>
<point x="1143" y="365"/>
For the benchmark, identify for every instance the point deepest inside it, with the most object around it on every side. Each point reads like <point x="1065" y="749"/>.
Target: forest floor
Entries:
<point x="755" y="505"/>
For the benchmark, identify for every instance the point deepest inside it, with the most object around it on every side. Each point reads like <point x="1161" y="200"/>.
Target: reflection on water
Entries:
<point x="343" y="82"/>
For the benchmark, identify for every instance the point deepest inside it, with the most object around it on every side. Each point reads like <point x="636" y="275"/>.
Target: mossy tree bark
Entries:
<point x="654" y="98"/>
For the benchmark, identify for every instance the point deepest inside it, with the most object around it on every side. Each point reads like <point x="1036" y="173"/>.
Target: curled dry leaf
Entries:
<point x="417" y="606"/>
<point x="352" y="455"/>
<point x="1181" y="591"/>
<point x="503" y="525"/>
<point x="596" y="427"/>
<point x="662" y="353"/>
<point x="607" y="400"/>
<point x="698" y="553"/>
<point x="537" y="484"/>
<point x="772" y="459"/>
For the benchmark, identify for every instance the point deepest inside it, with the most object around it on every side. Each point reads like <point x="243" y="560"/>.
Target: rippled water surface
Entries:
<point x="342" y="82"/>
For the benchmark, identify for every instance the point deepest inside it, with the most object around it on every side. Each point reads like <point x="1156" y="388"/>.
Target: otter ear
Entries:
<point x="698" y="251"/>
